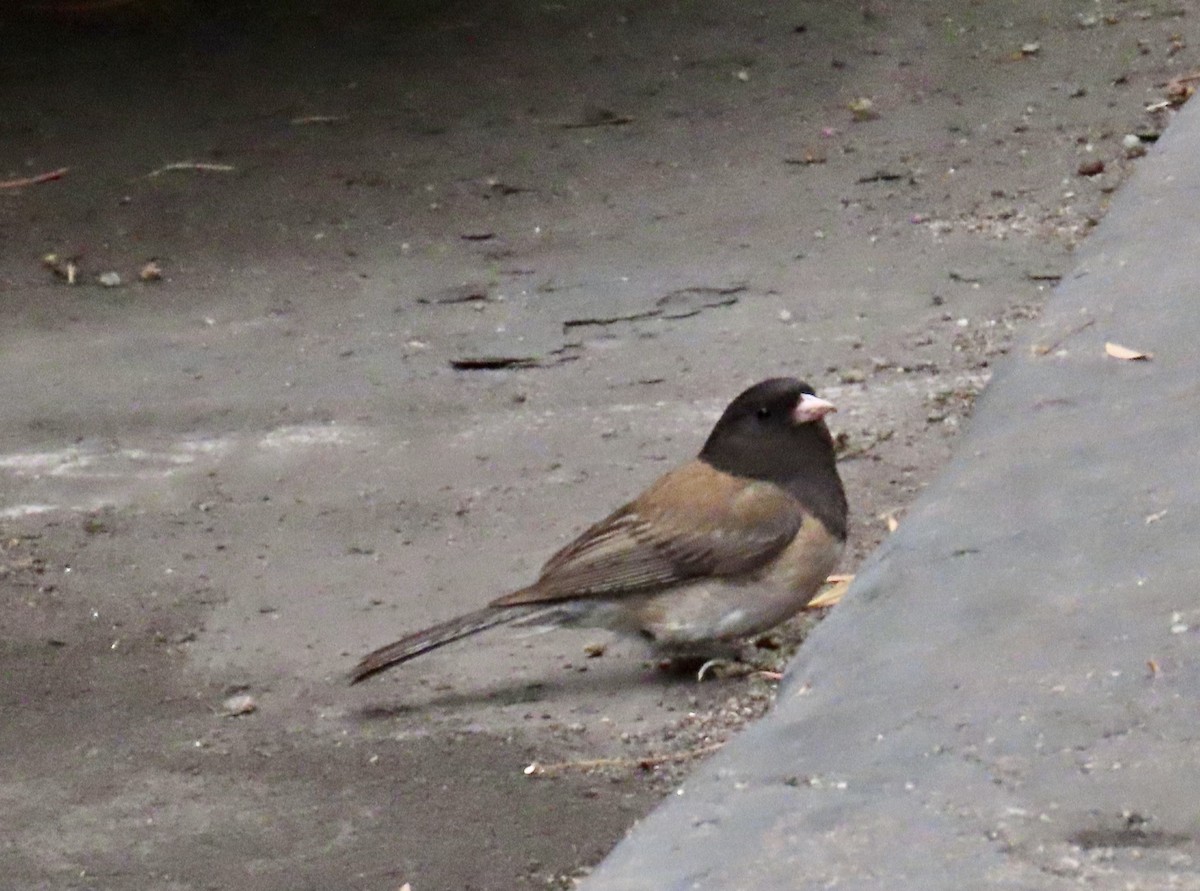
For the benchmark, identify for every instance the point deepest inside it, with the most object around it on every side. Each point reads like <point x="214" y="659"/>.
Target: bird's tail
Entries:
<point x="420" y="642"/>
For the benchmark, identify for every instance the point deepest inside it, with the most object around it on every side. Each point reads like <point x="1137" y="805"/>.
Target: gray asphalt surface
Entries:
<point x="1007" y="697"/>
<point x="233" y="480"/>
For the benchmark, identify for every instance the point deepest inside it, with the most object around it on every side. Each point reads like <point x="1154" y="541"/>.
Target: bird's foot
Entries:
<point x="715" y="665"/>
<point x="726" y="664"/>
<point x="725" y="669"/>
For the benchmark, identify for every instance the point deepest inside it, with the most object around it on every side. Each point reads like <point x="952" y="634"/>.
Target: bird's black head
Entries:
<point x="775" y="432"/>
<point x="765" y="424"/>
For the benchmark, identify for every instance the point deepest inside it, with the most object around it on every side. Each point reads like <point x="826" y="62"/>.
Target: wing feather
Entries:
<point x="694" y="522"/>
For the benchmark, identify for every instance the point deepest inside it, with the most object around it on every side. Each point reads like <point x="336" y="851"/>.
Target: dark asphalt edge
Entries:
<point x="996" y="703"/>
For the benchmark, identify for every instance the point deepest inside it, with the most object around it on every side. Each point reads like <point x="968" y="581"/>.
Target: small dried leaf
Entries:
<point x="836" y="590"/>
<point x="1123" y="352"/>
<point x="1181" y="89"/>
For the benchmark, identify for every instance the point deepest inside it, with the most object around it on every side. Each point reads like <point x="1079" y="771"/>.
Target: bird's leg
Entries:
<point x="753" y="659"/>
<point x="729" y="660"/>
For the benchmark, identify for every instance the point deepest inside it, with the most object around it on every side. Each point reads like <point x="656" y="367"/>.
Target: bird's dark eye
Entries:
<point x="764" y="413"/>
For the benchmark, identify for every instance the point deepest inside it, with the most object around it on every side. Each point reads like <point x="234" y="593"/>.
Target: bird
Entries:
<point x="720" y="549"/>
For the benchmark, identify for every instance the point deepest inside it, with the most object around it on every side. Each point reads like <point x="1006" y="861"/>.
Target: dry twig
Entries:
<point x="317" y="119"/>
<point x="34" y="180"/>
<point x="645" y="763"/>
<point x="193" y="165"/>
<point x="1042" y="350"/>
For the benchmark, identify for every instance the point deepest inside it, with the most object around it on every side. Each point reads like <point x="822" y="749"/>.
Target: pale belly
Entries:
<point x="722" y="611"/>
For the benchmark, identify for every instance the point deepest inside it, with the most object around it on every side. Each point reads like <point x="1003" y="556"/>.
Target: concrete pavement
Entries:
<point x="1007" y="698"/>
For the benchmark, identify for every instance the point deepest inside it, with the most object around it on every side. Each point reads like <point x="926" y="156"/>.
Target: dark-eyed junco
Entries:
<point x="726" y="546"/>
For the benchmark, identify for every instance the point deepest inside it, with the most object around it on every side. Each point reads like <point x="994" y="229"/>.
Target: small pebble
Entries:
<point x="240" y="704"/>
<point x="1133" y="145"/>
<point x="853" y="376"/>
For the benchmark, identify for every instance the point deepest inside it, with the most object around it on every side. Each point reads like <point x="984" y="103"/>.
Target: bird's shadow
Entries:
<point x="680" y="674"/>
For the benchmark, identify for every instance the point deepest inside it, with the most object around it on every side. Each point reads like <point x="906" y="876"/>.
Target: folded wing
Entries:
<point x="695" y="521"/>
